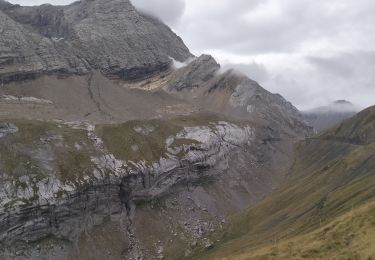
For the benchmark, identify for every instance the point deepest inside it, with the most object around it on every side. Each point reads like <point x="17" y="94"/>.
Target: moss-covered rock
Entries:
<point x="148" y="140"/>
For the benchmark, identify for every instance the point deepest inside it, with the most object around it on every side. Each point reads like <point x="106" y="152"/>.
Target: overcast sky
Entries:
<point x="310" y="51"/>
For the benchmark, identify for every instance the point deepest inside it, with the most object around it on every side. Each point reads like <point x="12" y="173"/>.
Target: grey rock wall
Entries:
<point x="108" y="35"/>
<point x="34" y="207"/>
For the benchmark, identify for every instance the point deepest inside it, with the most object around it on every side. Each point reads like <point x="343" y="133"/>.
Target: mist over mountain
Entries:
<point x="324" y="117"/>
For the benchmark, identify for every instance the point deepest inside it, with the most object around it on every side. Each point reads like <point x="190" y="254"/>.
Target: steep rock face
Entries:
<point x="4" y="4"/>
<point x="110" y="36"/>
<point x="66" y="179"/>
<point x="24" y="53"/>
<point x="194" y="75"/>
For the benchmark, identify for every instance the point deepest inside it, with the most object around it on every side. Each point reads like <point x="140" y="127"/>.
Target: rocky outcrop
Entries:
<point x="7" y="128"/>
<point x="194" y="74"/>
<point x="4" y="4"/>
<point x="68" y="179"/>
<point x="42" y="203"/>
<point x="234" y="94"/>
<point x="83" y="36"/>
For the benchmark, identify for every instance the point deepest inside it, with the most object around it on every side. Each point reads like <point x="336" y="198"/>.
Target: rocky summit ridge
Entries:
<point x="110" y="151"/>
<point x="110" y="36"/>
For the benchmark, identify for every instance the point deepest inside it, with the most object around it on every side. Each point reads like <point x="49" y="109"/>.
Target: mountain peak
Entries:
<point x="342" y="102"/>
<point x="85" y="36"/>
<point x="4" y="4"/>
<point x="337" y="106"/>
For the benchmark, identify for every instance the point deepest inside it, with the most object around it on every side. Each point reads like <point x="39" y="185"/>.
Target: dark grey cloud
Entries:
<point x="357" y="64"/>
<point x="247" y="27"/>
<point x="255" y="71"/>
<point x="350" y="75"/>
<point x="311" y="52"/>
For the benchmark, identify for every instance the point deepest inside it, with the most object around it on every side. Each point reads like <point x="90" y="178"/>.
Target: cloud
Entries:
<point x="319" y="80"/>
<point x="168" y="11"/>
<point x="269" y="26"/>
<point x="253" y="70"/>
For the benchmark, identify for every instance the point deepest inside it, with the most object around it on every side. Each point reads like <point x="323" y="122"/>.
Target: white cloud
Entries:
<point x="167" y="10"/>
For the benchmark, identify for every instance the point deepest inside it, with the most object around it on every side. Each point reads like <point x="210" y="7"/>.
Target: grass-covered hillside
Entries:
<point x="324" y="210"/>
<point x="350" y="236"/>
<point x="149" y="140"/>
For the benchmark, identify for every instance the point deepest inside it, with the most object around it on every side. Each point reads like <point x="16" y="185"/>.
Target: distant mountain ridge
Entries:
<point x="324" y="117"/>
<point x="360" y="129"/>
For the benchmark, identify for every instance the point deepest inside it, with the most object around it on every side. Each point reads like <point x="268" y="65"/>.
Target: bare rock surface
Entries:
<point x="7" y="128"/>
<point x="108" y="35"/>
<point x="41" y="198"/>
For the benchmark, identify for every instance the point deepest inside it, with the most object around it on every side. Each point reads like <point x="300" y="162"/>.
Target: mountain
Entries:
<point x="110" y="151"/>
<point x="323" y="210"/>
<point x="322" y="118"/>
<point x="110" y="36"/>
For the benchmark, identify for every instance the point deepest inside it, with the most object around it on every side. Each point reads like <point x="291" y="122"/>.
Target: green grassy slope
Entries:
<point x="145" y="140"/>
<point x="350" y="236"/>
<point x="333" y="175"/>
